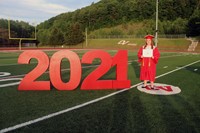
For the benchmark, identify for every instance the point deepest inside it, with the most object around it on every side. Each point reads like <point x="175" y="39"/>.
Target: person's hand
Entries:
<point x="152" y="57"/>
<point x="142" y="56"/>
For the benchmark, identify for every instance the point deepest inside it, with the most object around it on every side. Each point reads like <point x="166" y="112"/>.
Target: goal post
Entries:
<point x="20" y="38"/>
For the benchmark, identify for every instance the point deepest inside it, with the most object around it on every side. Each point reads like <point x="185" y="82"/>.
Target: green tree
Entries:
<point x="179" y="26"/>
<point x="74" y="35"/>
<point x="43" y="36"/>
<point x="193" y="26"/>
<point x="56" y="37"/>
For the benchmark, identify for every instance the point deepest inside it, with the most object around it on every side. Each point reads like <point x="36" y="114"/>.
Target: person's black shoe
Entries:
<point x="144" y="86"/>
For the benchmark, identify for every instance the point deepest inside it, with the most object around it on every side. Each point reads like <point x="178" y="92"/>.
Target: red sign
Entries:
<point x="91" y="82"/>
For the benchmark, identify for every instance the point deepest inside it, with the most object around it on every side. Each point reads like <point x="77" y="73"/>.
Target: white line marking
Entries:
<point x="3" y="74"/>
<point x="16" y="76"/>
<point x="177" y="69"/>
<point x="10" y="84"/>
<point x="129" y="62"/>
<point x="83" y="104"/>
<point x="165" y="67"/>
<point x="14" y="64"/>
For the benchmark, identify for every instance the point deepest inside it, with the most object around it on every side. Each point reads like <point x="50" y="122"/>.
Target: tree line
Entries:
<point x="175" y="17"/>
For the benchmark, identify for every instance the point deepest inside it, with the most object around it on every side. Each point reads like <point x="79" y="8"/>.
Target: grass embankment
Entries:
<point x="133" y="44"/>
<point x="164" y="44"/>
<point x="198" y="48"/>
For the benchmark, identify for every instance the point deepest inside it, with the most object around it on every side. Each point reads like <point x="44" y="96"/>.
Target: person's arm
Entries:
<point x="156" y="55"/>
<point x="140" y="55"/>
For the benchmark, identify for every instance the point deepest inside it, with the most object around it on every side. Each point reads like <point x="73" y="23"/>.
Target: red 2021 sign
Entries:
<point x="91" y="82"/>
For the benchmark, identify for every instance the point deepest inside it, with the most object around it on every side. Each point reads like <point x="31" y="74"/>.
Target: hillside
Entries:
<point x="174" y="17"/>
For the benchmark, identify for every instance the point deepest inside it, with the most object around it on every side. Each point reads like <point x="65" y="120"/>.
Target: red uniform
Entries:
<point x="148" y="65"/>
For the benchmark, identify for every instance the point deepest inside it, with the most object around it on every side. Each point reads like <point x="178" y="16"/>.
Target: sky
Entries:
<point x="37" y="11"/>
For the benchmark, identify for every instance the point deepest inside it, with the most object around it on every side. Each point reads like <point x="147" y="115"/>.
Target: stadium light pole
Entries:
<point x="156" y="36"/>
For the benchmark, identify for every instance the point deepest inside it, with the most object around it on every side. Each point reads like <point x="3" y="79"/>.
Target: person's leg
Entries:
<point x="145" y="84"/>
<point x="152" y="84"/>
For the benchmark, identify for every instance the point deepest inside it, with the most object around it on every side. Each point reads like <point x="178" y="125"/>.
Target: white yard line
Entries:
<point x="14" y="64"/>
<point x="83" y="104"/>
<point x="129" y="62"/>
<point x="16" y="76"/>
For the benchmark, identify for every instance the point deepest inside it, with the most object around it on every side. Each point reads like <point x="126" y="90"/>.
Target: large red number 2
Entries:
<point x="28" y="82"/>
<point x="91" y="82"/>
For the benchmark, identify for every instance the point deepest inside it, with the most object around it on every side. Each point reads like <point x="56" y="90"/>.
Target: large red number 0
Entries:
<point x="28" y="82"/>
<point x="91" y="81"/>
<point x="75" y="70"/>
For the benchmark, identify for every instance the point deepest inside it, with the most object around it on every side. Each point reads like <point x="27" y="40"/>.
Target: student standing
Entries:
<point x="148" y="56"/>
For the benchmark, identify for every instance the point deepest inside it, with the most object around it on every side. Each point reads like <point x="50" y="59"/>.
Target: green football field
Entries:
<point x="103" y="111"/>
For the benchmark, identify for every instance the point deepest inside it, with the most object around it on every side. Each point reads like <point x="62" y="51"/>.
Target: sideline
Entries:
<point x="83" y="104"/>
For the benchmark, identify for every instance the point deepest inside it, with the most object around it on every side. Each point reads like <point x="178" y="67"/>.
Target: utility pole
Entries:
<point x="86" y="38"/>
<point x="156" y="36"/>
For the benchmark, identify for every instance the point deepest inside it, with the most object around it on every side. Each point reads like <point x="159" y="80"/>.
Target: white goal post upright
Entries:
<point x="20" y="39"/>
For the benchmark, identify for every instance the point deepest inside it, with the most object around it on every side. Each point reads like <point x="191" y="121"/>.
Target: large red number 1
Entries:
<point x="121" y="62"/>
